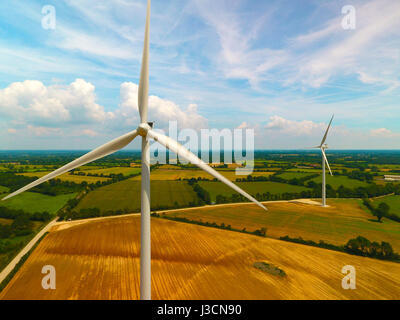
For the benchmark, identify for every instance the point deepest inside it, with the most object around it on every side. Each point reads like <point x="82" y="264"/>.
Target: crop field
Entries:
<point x="216" y="188"/>
<point x="126" y="171"/>
<point x="5" y="221"/>
<point x="126" y="195"/>
<point x="100" y="260"/>
<point x="66" y="177"/>
<point x="337" y="181"/>
<point x="297" y="175"/>
<point x="35" y="202"/>
<point x="176" y="174"/>
<point x="342" y="221"/>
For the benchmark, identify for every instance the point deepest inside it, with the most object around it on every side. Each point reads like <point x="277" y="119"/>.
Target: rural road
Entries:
<point x="25" y="250"/>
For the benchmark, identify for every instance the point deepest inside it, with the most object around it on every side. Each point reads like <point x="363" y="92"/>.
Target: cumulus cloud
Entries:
<point x="32" y="102"/>
<point x="89" y="132"/>
<point x="160" y="110"/>
<point x="305" y="127"/>
<point x="43" y="131"/>
<point x="243" y="125"/>
<point x="383" y="132"/>
<point x="41" y="110"/>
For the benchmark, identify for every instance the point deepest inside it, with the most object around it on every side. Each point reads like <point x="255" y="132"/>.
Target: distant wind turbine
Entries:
<point x="146" y="131"/>
<point x="323" y="146"/>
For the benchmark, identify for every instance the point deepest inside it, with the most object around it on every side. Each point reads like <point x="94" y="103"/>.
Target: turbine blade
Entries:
<point x="98" y="153"/>
<point x="326" y="160"/>
<point x="143" y="94"/>
<point x="326" y="133"/>
<point x="189" y="156"/>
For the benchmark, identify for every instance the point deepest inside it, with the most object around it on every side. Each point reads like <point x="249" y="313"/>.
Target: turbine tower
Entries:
<point x="323" y="146"/>
<point x="145" y="130"/>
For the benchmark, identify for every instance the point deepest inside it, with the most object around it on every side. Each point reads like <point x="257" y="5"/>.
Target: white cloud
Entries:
<point x="243" y="125"/>
<point x="43" y="131"/>
<point x="34" y="103"/>
<point x="238" y="57"/>
<point x="305" y="127"/>
<point x="383" y="132"/>
<point x="71" y="110"/>
<point x="160" y="110"/>
<point x="347" y="52"/>
<point x="95" y="45"/>
<point x="89" y="132"/>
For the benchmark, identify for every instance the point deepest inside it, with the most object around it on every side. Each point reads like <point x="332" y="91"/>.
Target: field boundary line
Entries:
<point x="10" y="267"/>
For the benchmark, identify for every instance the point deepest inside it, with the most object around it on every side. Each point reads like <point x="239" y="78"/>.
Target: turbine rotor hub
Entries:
<point x="143" y="129"/>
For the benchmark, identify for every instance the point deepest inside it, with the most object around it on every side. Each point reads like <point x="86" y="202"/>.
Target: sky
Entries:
<point x="280" y="67"/>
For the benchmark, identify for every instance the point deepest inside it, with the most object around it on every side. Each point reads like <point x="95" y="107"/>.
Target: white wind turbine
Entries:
<point x="323" y="146"/>
<point x="145" y="130"/>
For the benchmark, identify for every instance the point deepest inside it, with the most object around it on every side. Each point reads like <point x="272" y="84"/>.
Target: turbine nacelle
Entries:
<point x="144" y="128"/>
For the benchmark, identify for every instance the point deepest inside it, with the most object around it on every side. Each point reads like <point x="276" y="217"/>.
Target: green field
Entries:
<point x="343" y="220"/>
<point x="336" y="181"/>
<point x="36" y="202"/>
<point x="3" y="189"/>
<point x="126" y="171"/>
<point x="392" y="201"/>
<point x="66" y="177"/>
<point x="216" y="188"/>
<point x="305" y="170"/>
<point x="298" y="175"/>
<point x="126" y="195"/>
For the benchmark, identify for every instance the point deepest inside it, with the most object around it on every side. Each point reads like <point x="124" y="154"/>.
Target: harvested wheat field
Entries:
<point x="100" y="260"/>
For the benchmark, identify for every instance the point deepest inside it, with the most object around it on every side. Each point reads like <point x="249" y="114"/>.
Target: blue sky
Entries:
<point x="279" y="67"/>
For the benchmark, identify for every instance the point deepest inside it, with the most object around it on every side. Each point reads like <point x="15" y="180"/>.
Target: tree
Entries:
<point x="381" y="211"/>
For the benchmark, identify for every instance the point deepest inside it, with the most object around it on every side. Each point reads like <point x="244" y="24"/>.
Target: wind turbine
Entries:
<point x="323" y="146"/>
<point x="145" y="130"/>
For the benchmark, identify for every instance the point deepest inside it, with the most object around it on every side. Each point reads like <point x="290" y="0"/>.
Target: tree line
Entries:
<point x="359" y="246"/>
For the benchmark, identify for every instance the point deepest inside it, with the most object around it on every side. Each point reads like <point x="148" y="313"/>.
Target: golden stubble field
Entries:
<point x="343" y="220"/>
<point x="100" y="260"/>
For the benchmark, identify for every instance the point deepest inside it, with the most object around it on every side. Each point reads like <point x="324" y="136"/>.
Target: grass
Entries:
<point x="173" y="173"/>
<point x="393" y="202"/>
<point x="337" y="181"/>
<point x="20" y="263"/>
<point x="126" y="195"/>
<point x="126" y="171"/>
<point x="343" y="220"/>
<point x="3" y="189"/>
<point x="5" y="258"/>
<point x="100" y="260"/>
<point x="66" y="177"/>
<point x="216" y="188"/>
<point x="36" y="202"/>
<point x="293" y="175"/>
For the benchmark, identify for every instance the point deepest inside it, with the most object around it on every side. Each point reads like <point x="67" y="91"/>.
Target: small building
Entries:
<point x="389" y="177"/>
